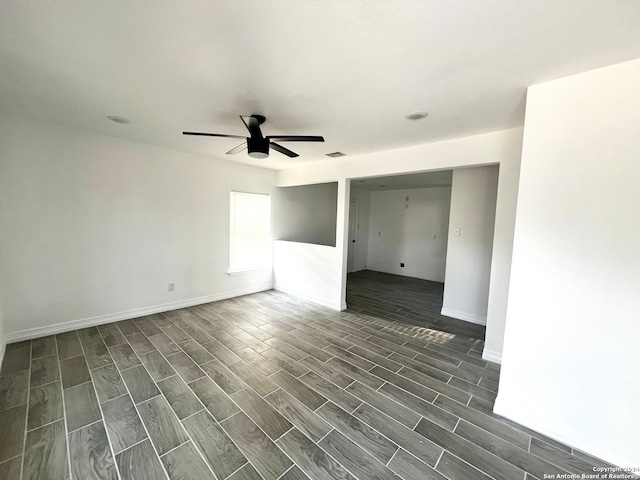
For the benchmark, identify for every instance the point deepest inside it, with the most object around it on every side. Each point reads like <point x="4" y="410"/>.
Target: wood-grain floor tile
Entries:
<point x="97" y="355"/>
<point x="264" y="455"/>
<point x="68" y="345"/>
<point x="42" y="347"/>
<point x="326" y="371"/>
<point x="123" y="423"/>
<point x="472" y="454"/>
<point x="213" y="398"/>
<point x="390" y="407"/>
<point x="410" y="468"/>
<point x="139" y="383"/>
<point x="45" y="405"/>
<point x="366" y="437"/>
<point x="355" y="373"/>
<point x="298" y="414"/>
<point x="254" y="378"/>
<point x="343" y="399"/>
<point x="124" y="356"/>
<point x="456" y="469"/>
<point x="185" y="463"/>
<point x="111" y="335"/>
<point x="108" y="383"/>
<point x="354" y="459"/>
<point x="12" y="422"/>
<point x="81" y="406"/>
<point x="45" y="453"/>
<point x="44" y="370"/>
<point x="247" y="473"/>
<point x="156" y="365"/>
<point x="163" y="426"/>
<point x="89" y="336"/>
<point x="140" y="462"/>
<point x="412" y="442"/>
<point x="140" y="343"/>
<point x="311" y="458"/>
<point x="90" y="454"/>
<point x="127" y="327"/>
<point x="164" y="344"/>
<point x="10" y="469"/>
<point x="185" y="367"/>
<point x="197" y="352"/>
<point x="182" y="400"/>
<point x="225" y="378"/>
<point x="274" y="424"/>
<point x="299" y="390"/>
<point x="14" y="389"/>
<point x="221" y="453"/>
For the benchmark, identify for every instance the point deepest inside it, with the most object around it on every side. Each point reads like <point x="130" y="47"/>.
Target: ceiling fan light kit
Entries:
<point x="258" y="145"/>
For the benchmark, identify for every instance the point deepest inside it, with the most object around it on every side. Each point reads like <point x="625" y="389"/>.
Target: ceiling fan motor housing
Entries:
<point x="258" y="147"/>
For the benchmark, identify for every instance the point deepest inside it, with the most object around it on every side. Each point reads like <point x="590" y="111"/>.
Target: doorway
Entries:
<point x="353" y="231"/>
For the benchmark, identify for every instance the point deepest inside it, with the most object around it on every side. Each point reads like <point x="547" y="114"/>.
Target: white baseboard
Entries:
<point x="467" y="317"/>
<point x="137" y="312"/>
<point x="614" y="454"/>
<point x="491" y="356"/>
<point x="320" y="301"/>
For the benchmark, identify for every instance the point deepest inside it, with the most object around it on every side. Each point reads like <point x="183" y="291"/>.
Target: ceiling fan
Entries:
<point x="256" y="143"/>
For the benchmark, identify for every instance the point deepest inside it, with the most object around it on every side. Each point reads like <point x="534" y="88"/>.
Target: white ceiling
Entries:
<point x="347" y="70"/>
<point x="440" y="178"/>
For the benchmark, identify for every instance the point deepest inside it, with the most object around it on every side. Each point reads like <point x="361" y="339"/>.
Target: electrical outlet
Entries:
<point x="172" y="287"/>
<point x="402" y="265"/>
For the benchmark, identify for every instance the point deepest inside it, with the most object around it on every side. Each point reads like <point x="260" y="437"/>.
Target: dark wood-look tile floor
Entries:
<point x="406" y="300"/>
<point x="265" y="387"/>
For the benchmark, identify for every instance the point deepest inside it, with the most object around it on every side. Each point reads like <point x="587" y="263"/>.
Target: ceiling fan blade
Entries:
<point x="212" y="135"/>
<point x="283" y="150"/>
<point x="296" y="138"/>
<point x="237" y="149"/>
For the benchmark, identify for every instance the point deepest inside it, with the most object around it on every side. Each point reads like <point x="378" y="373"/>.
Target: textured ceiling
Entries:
<point x="349" y="70"/>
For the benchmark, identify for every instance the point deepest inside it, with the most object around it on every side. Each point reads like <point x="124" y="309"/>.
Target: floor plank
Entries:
<point x="311" y="458"/>
<point x="273" y="424"/>
<point x="123" y="423"/>
<point x="221" y="453"/>
<point x="263" y="454"/>
<point x="140" y="462"/>
<point x="185" y="463"/>
<point x="90" y="454"/>
<point x="45" y="454"/>
<point x="163" y="426"/>
<point x="81" y="406"/>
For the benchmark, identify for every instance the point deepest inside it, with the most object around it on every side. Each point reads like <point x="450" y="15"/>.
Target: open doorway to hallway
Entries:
<point x="420" y="248"/>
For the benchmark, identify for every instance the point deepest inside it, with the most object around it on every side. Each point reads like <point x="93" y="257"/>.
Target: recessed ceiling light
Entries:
<point x="417" y="115"/>
<point x="117" y="119"/>
<point x="335" y="154"/>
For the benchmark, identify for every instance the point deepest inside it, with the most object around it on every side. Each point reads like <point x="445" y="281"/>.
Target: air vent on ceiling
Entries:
<point x="335" y="154"/>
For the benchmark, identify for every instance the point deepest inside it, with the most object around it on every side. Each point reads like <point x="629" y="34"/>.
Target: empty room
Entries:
<point x="319" y="240"/>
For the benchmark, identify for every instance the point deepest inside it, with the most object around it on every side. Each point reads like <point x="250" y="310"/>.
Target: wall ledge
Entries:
<point x="320" y="301"/>
<point x="614" y="454"/>
<point x="128" y="314"/>
<point x="467" y="317"/>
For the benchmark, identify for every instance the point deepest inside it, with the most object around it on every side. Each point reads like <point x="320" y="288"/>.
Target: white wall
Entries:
<point x="412" y="232"/>
<point x="363" y="197"/>
<point x="306" y="213"/>
<point x="503" y="148"/>
<point x="570" y="365"/>
<point x="505" y="219"/>
<point x="473" y="211"/>
<point x="94" y="228"/>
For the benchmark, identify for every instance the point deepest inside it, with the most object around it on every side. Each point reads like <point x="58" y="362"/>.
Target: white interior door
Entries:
<point x="353" y="228"/>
